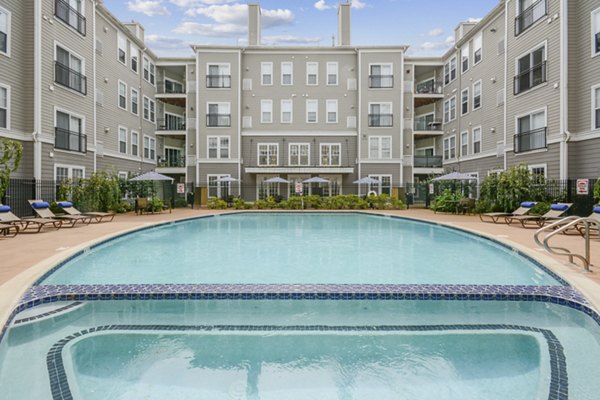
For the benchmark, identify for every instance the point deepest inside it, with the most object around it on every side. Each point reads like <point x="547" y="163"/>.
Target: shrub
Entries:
<point x="446" y="202"/>
<point x="540" y="208"/>
<point x="215" y="203"/>
<point x="238" y="203"/>
<point x="124" y="207"/>
<point x="294" y="203"/>
<point x="180" y="202"/>
<point x="100" y="192"/>
<point x="271" y="203"/>
<point x="313" y="201"/>
<point x="260" y="204"/>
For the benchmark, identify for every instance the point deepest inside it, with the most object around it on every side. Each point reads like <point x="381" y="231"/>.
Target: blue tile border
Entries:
<point x="558" y="390"/>
<point x="49" y="313"/>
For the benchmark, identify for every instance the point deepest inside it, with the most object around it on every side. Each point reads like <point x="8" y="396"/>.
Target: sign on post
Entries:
<point x="583" y="186"/>
<point x="431" y="189"/>
<point x="180" y="188"/>
<point x="299" y="188"/>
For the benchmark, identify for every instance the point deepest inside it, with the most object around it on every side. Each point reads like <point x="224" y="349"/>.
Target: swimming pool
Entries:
<point x="301" y="248"/>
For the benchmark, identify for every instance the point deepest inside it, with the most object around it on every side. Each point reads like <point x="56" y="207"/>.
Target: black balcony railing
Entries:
<point x="218" y="81"/>
<point x="381" y="120"/>
<point x="69" y="15"/>
<point x="68" y="140"/>
<point x="178" y="162"/>
<point x="218" y="120"/>
<point x="381" y="81"/>
<point x="427" y="125"/>
<point x="70" y="78"/>
<point x="170" y="124"/>
<point x="429" y="87"/>
<point x="530" y="78"/>
<point x="3" y="42"/>
<point x="427" y="162"/>
<point x="530" y="15"/>
<point x="531" y="140"/>
<point x="170" y="88"/>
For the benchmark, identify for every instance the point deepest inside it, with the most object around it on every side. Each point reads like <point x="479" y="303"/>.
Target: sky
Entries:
<point x="427" y="26"/>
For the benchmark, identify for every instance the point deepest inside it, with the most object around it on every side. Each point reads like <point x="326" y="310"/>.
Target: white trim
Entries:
<point x="316" y="63"/>
<point x="121" y="36"/>
<point x="266" y="103"/>
<point x="121" y="173"/>
<point x="382" y="161"/>
<point x="530" y="167"/>
<point x="449" y="140"/>
<point x="219" y="185"/>
<point x="8" y="107"/>
<point x="299" y="170"/>
<point x="290" y="153"/>
<point x="124" y="129"/>
<point x="71" y="53"/>
<point x="262" y="73"/>
<point x="449" y="101"/>
<point x="71" y="114"/>
<point x="472" y="157"/>
<point x="150" y="141"/>
<point x="150" y="65"/>
<point x="70" y="167"/>
<point x="137" y="154"/>
<point x="379" y="184"/>
<point x="468" y="49"/>
<point x="594" y="30"/>
<point x="480" y="140"/>
<point x="480" y="82"/>
<point x="594" y="88"/>
<point x="268" y="144"/>
<point x="120" y="82"/>
<point x="379" y="139"/>
<point x="330" y="145"/>
<point x="150" y="101"/>
<point x="530" y="113"/>
<point x="316" y="101"/>
<point x="121" y="156"/>
<point x="474" y="51"/>
<point x="218" y="137"/>
<point x="337" y="73"/>
<point x="468" y="101"/>
<point x="291" y="102"/>
<point x="291" y="64"/>
<point x="137" y="92"/>
<point x="300" y="133"/>
<point x="8" y="31"/>
<point x="449" y="62"/>
<point x="134" y="49"/>
<point x="218" y="161"/>
<point x="466" y="153"/>
<point x="327" y="102"/>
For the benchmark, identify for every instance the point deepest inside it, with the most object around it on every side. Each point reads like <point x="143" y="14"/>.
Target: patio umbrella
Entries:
<point x="152" y="176"/>
<point x="367" y="180"/>
<point x="455" y="176"/>
<point x="316" y="179"/>
<point x="227" y="179"/>
<point x="276" y="180"/>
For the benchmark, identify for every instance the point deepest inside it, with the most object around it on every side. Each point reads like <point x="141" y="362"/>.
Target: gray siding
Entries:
<point x="551" y="158"/>
<point x="583" y="159"/>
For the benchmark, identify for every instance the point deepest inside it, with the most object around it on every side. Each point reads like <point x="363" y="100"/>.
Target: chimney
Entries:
<point x="254" y="24"/>
<point x="344" y="24"/>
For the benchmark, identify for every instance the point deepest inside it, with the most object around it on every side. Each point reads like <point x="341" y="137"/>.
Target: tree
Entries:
<point x="11" y="152"/>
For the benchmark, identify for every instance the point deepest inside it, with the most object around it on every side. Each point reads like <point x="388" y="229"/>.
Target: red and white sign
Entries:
<point x="299" y="188"/>
<point x="583" y="186"/>
<point x="181" y="188"/>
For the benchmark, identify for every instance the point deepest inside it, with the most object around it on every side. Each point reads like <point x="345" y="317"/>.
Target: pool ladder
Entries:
<point x="561" y="226"/>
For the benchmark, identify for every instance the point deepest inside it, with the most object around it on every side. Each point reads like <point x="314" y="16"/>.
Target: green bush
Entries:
<point x="180" y="202"/>
<point x="313" y="201"/>
<point x="238" y="203"/>
<point x="124" y="207"/>
<point x="540" y="208"/>
<point x="215" y="203"/>
<point x="293" y="203"/>
<point x="100" y="192"/>
<point x="446" y="202"/>
<point x="271" y="202"/>
<point x="260" y="204"/>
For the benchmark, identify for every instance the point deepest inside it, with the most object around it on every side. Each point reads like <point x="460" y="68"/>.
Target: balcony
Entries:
<point x="529" y="16"/>
<point x="530" y="78"/>
<point x="381" y="81"/>
<point x="169" y="87"/>
<point x="427" y="162"/>
<point x="67" y="77"/>
<point x="218" y="81"/>
<point x="69" y="140"/>
<point x="531" y="140"/>
<point x="381" y="120"/>
<point x="427" y="125"/>
<point x="218" y="120"/>
<point x="69" y="16"/>
<point x="170" y="124"/>
<point x="429" y="87"/>
<point x="165" y="162"/>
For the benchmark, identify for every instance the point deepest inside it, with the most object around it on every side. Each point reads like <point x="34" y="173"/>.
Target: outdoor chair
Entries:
<point x="466" y="206"/>
<point x="7" y="217"/>
<point x="97" y="216"/>
<point x="524" y="208"/>
<point x="556" y="212"/>
<point x="594" y="218"/>
<point x="42" y="209"/>
<point x="5" y="230"/>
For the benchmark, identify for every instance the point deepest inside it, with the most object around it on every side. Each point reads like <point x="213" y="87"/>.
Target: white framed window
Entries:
<point x="531" y="131"/>
<point x="122" y="95"/>
<point x="380" y="147"/>
<point x="70" y="69"/>
<point x="312" y="73"/>
<point x="531" y="69"/>
<point x="266" y="73"/>
<point x="122" y="140"/>
<point x="72" y="13"/>
<point x="464" y="143"/>
<point x="477" y="87"/>
<point x="287" y="73"/>
<point x="595" y="107"/>
<point x="266" y="111"/>
<point x="216" y="188"/>
<point x="381" y="76"/>
<point x="69" y="131"/>
<point x="528" y="13"/>
<point x="299" y="154"/>
<point x="218" y="114"/>
<point x="538" y="172"/>
<point x="450" y="109"/>
<point x="149" y="72"/>
<point x="332" y="111"/>
<point x="268" y="154"/>
<point x="4" y="106"/>
<point x="312" y="111"/>
<point x="149" y="109"/>
<point x="149" y="148"/>
<point x="450" y="148"/>
<point x="464" y="101"/>
<point x="134" y="54"/>
<point x="478" y="48"/>
<point x="123" y="175"/>
<point x="332" y="74"/>
<point x="5" y="35"/>
<point x="596" y="32"/>
<point x="134" y="101"/>
<point x="380" y="115"/>
<point x="218" y="147"/>
<point x="464" y="58"/>
<point x="286" y="111"/>
<point x="135" y="142"/>
<point x="477" y="140"/>
<point x="62" y="172"/>
<point x="384" y="186"/>
<point x="330" y="154"/>
<point x="218" y="76"/>
<point x="122" y="49"/>
<point x="450" y="71"/>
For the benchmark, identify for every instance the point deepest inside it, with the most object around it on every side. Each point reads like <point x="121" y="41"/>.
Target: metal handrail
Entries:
<point x="565" y="224"/>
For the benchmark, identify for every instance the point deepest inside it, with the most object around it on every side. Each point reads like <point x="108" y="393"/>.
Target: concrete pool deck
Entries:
<point x="27" y="256"/>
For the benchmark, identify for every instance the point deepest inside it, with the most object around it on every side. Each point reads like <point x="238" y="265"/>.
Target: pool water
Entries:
<point x="301" y="248"/>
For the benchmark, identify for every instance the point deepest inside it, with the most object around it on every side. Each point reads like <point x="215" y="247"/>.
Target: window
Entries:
<point x="63" y="172"/>
<point x="384" y="186"/>
<point x="4" y="107"/>
<point x="286" y="73"/>
<point x="71" y="13"/>
<point x="450" y="109"/>
<point x="450" y="71"/>
<point x="595" y="32"/>
<point x="450" y="148"/>
<point x="218" y="147"/>
<point x="218" y="115"/>
<point x="478" y="49"/>
<point x="477" y="95"/>
<point x="464" y="143"/>
<point x="149" y="71"/>
<point x="531" y="132"/>
<point x="69" y="133"/>
<point x="122" y="95"/>
<point x="4" y="32"/>
<point x="426" y="122"/>
<point x="69" y="70"/>
<point x="122" y="175"/>
<point x="531" y="70"/>
<point x="380" y="115"/>
<point x="528" y="12"/>
<point x="299" y="154"/>
<point x="268" y="154"/>
<point x="149" y="148"/>
<point x="477" y="140"/>
<point x="219" y="76"/>
<point x="149" y="110"/>
<point x="330" y="154"/>
<point x="266" y="71"/>
<point x="122" y="46"/>
<point x="595" y="107"/>
<point x="172" y="86"/>
<point x="381" y="76"/>
<point x="135" y="138"/>
<point x="134" y="101"/>
<point x="312" y="107"/>
<point x="286" y="111"/>
<point x="332" y="111"/>
<point x="464" y="58"/>
<point x="380" y="147"/>
<point x="122" y="140"/>
<point x="312" y="73"/>
<point x="538" y="172"/>
<point x="216" y="188"/>
<point x="266" y="111"/>
<point x="332" y="73"/>
<point x="464" y="101"/>
<point x="133" y="57"/>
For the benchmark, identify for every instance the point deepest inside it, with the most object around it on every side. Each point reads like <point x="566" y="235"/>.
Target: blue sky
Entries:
<point x="172" y="25"/>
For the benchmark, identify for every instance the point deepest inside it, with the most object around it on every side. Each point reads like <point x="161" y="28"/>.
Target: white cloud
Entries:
<point x="321" y="5"/>
<point x="290" y="39"/>
<point x="358" y="4"/>
<point x="473" y="20"/>
<point x="165" y="42"/>
<point x="278" y="17"/>
<point x="191" y="3"/>
<point x="148" y="7"/>
<point x="212" y="30"/>
<point x="432" y="47"/>
<point x="435" y="32"/>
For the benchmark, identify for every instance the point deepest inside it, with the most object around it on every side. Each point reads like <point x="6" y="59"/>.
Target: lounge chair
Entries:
<point x="556" y="212"/>
<point x="7" y="217"/>
<point x="67" y="207"/>
<point x="524" y="208"/>
<point x="5" y="230"/>
<point x="594" y="218"/>
<point x="42" y="208"/>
